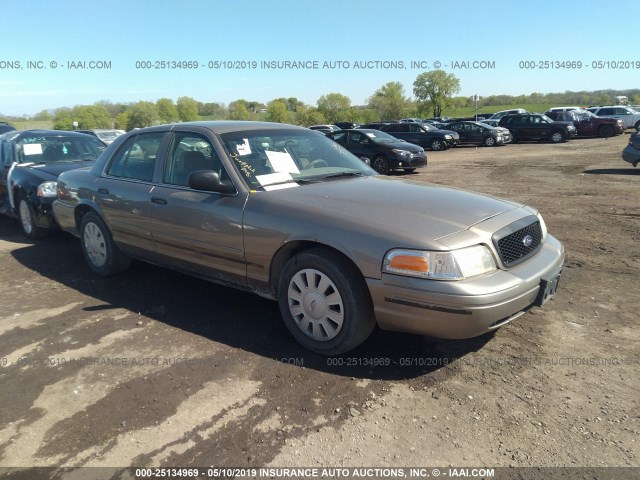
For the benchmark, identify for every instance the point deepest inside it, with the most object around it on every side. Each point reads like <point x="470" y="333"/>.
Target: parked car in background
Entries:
<point x="288" y="214"/>
<point x="325" y="128"/>
<point x="587" y="124"/>
<point x="423" y="134"/>
<point x="631" y="152"/>
<point x="477" y="133"/>
<point x="564" y="109"/>
<point x="502" y="113"/>
<point x="374" y="125"/>
<point x="537" y="127"/>
<point x="411" y="120"/>
<point x="107" y="136"/>
<point x="629" y="116"/>
<point x="5" y="127"/>
<point x="380" y="150"/>
<point x="346" y="125"/>
<point x="30" y="162"/>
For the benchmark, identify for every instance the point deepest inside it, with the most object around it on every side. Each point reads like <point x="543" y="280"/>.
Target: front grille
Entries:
<point x="515" y="243"/>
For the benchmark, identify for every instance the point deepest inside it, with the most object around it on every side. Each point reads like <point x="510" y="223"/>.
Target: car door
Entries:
<point x="625" y="115"/>
<point x="123" y="192"/>
<point x="197" y="230"/>
<point x="475" y="133"/>
<point x="583" y="122"/>
<point x="360" y="145"/>
<point x="460" y="129"/>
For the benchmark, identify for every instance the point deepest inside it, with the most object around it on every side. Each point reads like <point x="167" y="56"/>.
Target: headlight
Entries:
<point x="47" y="189"/>
<point x="402" y="153"/>
<point x="454" y="265"/>
<point x="448" y="137"/>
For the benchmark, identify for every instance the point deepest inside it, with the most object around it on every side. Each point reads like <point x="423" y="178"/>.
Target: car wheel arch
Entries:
<point x="290" y="249"/>
<point x="81" y="210"/>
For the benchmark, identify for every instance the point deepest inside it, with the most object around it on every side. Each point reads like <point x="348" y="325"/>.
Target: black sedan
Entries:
<point x="30" y="162"/>
<point x="423" y="134"/>
<point x="380" y="150"/>
<point x="476" y="133"/>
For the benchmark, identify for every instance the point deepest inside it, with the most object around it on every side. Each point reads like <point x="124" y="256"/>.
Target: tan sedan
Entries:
<point x="288" y="214"/>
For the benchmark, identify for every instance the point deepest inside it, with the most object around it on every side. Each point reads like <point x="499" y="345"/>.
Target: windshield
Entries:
<point x="51" y="149"/>
<point x="381" y="137"/>
<point x="270" y="159"/>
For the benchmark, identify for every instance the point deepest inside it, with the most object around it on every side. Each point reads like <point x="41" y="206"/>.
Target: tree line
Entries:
<point x="434" y="93"/>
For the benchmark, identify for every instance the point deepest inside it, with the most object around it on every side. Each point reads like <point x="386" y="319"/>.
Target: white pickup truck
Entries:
<point x="629" y="116"/>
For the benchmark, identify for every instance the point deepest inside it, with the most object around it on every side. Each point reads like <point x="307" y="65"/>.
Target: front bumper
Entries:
<point x="453" y="142"/>
<point x="413" y="161"/>
<point x="467" y="308"/>
<point x="572" y="133"/>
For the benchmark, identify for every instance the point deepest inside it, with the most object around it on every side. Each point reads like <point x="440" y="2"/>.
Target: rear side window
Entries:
<point x="606" y="111"/>
<point x="137" y="157"/>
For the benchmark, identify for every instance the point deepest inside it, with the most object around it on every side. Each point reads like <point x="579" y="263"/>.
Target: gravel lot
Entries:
<point x="154" y="368"/>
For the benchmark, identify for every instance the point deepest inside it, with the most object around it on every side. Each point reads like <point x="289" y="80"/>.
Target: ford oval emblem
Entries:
<point x="527" y="241"/>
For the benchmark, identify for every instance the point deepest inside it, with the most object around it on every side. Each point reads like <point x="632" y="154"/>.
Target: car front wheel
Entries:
<point x="102" y="255"/>
<point x="557" y="137"/>
<point x="489" y="142"/>
<point x="324" y="302"/>
<point x="437" y="145"/>
<point x="606" y="131"/>
<point x="380" y="165"/>
<point x="28" y="220"/>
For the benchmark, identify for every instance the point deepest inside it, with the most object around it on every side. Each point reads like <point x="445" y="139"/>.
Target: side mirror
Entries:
<point x="209" y="181"/>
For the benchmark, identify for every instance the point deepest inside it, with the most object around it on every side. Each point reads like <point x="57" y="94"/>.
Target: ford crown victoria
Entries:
<point x="291" y="215"/>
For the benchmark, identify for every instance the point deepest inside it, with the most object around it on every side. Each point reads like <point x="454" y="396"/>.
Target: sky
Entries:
<point x="351" y="47"/>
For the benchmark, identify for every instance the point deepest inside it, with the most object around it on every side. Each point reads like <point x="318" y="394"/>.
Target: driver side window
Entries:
<point x="189" y="153"/>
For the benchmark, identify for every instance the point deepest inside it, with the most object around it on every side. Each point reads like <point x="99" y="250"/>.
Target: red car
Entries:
<point x="588" y="124"/>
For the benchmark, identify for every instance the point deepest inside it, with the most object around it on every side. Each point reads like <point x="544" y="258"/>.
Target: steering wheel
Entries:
<point x="319" y="162"/>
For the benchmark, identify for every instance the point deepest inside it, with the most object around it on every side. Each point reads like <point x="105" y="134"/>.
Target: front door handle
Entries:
<point x="159" y="201"/>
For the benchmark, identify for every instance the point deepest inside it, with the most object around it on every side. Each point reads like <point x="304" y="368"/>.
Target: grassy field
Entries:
<point x="32" y="124"/>
<point x="468" y="112"/>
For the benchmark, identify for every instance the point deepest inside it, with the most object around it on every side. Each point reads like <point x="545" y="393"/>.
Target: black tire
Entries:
<point x="606" y="131"/>
<point x="514" y="138"/>
<point x="558" y="137"/>
<point x="637" y="126"/>
<point x="100" y="252"/>
<point x="489" y="142"/>
<point x="27" y="219"/>
<point x="324" y="302"/>
<point x="380" y="165"/>
<point x="438" y="144"/>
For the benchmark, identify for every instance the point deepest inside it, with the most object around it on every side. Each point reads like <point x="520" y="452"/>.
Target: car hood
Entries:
<point x="402" y="145"/>
<point x="408" y="211"/>
<point x="51" y="171"/>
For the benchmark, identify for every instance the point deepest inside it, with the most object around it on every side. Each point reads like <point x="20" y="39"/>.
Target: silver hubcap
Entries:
<point x="95" y="245"/>
<point x="557" y="137"/>
<point x="490" y="141"/>
<point x="315" y="304"/>
<point x="25" y="217"/>
<point x="436" y="146"/>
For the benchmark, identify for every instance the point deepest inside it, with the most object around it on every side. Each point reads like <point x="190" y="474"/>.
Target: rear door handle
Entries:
<point x="159" y="201"/>
<point x="103" y="190"/>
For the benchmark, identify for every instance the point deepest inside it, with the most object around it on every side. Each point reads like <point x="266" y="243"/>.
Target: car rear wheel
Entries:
<point x="324" y="302"/>
<point x="605" y="131"/>
<point x="437" y="145"/>
<point x="28" y="219"/>
<point x="380" y="165"/>
<point x="557" y="137"/>
<point x="514" y="138"/>
<point x="489" y="142"/>
<point x="102" y="255"/>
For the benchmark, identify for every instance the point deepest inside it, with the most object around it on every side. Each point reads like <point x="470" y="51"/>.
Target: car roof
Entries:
<point x="223" y="126"/>
<point x="16" y="135"/>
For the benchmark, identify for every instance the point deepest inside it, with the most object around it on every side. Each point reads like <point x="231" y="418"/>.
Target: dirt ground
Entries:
<point x="154" y="368"/>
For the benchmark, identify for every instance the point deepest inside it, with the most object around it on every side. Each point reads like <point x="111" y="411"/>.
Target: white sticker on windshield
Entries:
<point x="282" y="162"/>
<point x="244" y="148"/>
<point x="370" y="134"/>
<point x="32" y="149"/>
<point x="276" y="181"/>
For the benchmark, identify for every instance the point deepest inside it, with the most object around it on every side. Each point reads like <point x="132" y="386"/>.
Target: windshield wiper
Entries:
<point x="342" y="174"/>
